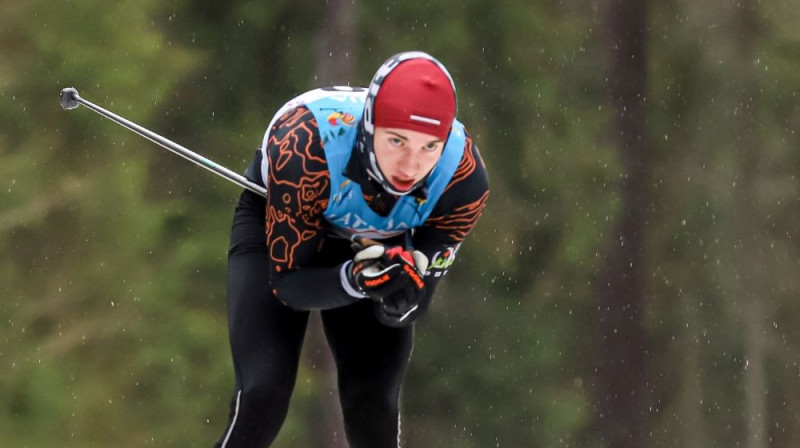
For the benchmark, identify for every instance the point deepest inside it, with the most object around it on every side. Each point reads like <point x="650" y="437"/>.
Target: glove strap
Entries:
<point x="347" y="285"/>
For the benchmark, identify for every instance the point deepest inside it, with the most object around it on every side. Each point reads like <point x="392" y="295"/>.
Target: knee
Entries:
<point x="360" y="403"/>
<point x="371" y="417"/>
<point x="266" y="392"/>
<point x="268" y="387"/>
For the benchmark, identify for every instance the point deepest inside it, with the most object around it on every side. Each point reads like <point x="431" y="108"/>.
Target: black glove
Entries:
<point x="392" y="276"/>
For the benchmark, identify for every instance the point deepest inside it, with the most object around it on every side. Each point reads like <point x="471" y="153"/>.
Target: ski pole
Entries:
<point x="70" y="99"/>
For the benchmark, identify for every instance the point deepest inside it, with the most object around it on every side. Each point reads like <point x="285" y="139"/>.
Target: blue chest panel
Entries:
<point x="338" y="115"/>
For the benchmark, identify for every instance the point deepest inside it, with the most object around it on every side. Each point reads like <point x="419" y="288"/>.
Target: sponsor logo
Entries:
<point x="354" y="222"/>
<point x="442" y="260"/>
<point x="341" y="118"/>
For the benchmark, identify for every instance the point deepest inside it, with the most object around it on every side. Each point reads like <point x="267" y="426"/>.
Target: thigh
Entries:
<point x="266" y="336"/>
<point x="366" y="351"/>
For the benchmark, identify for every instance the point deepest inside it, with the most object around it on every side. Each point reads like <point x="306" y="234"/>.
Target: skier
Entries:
<point x="388" y="167"/>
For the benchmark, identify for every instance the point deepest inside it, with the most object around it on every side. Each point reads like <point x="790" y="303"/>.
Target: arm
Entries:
<point x="299" y="187"/>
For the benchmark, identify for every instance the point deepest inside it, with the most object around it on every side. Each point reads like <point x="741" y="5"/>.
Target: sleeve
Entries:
<point x="298" y="185"/>
<point x="453" y="217"/>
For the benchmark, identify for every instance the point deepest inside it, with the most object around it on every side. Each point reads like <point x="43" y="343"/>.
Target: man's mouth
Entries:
<point x="403" y="184"/>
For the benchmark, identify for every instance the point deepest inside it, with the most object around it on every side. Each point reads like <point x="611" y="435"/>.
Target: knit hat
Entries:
<point x="417" y="95"/>
<point x="411" y="90"/>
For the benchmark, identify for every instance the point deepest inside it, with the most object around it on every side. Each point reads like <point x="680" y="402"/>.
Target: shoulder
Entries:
<point x="293" y="149"/>
<point x="471" y="168"/>
<point x="304" y="112"/>
<point x="465" y="196"/>
<point x="292" y="127"/>
<point x="325" y="98"/>
<point x="304" y="102"/>
<point x="293" y="121"/>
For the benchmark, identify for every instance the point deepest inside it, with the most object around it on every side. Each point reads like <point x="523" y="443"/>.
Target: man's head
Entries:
<point x="410" y="108"/>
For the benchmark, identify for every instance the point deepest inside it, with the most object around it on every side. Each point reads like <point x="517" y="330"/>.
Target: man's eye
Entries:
<point x="395" y="141"/>
<point x="431" y="146"/>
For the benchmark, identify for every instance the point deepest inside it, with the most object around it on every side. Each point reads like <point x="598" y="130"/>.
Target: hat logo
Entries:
<point x="425" y="120"/>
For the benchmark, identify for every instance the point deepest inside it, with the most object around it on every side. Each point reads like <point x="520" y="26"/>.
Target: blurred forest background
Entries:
<point x="633" y="282"/>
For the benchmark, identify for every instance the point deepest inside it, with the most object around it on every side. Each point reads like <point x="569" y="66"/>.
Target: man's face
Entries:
<point x="405" y="157"/>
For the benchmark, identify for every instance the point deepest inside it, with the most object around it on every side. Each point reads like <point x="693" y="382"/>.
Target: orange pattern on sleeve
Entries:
<point x="298" y="181"/>
<point x="462" y="219"/>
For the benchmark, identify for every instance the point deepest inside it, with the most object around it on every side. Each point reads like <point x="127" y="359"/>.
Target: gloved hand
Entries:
<point x="392" y="276"/>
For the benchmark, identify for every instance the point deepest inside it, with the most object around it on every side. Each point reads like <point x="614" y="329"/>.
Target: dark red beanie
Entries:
<point x="416" y="95"/>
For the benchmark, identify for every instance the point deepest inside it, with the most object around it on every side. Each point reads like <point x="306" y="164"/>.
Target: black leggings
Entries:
<point x="266" y="338"/>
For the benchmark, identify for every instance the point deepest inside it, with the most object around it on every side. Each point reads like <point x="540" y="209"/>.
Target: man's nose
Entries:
<point x="408" y="164"/>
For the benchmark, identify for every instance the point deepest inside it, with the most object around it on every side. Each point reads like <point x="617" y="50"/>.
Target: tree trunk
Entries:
<point x="335" y="46"/>
<point x="690" y="396"/>
<point x="619" y="284"/>
<point x="749" y="256"/>
<point x="334" y="64"/>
